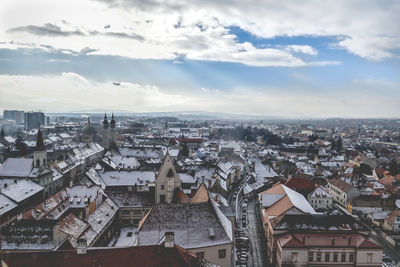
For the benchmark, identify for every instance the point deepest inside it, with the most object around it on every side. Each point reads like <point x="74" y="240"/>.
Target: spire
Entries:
<point x="105" y="122"/>
<point x="39" y="142"/>
<point x="112" y="121"/>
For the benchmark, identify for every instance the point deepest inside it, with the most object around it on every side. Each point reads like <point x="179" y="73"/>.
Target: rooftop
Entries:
<point x="191" y="224"/>
<point x="127" y="178"/>
<point x="16" y="167"/>
<point x="152" y="256"/>
<point x="21" y="190"/>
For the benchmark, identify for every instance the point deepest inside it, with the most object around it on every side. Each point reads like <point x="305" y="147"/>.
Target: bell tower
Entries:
<point x="40" y="152"/>
<point x="106" y="134"/>
<point x="113" y="139"/>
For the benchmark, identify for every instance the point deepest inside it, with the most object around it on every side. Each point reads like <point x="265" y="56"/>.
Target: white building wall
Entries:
<point x="211" y="254"/>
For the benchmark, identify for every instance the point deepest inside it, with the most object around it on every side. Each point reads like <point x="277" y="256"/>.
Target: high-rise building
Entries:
<point x="15" y="115"/>
<point x="34" y="120"/>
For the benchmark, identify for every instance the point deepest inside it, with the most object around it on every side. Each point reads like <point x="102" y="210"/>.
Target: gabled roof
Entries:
<point x="342" y="185"/>
<point x="300" y="184"/>
<point x="282" y="199"/>
<point x="201" y="195"/>
<point x="167" y="169"/>
<point x="320" y="193"/>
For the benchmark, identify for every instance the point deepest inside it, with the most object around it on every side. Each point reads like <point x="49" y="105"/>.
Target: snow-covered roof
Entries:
<point x="95" y="177"/>
<point x="6" y="204"/>
<point x="191" y="224"/>
<point x="128" y="237"/>
<point x="56" y="174"/>
<point x="130" y="199"/>
<point x="10" y="139"/>
<point x="16" y="167"/>
<point x="298" y="200"/>
<point x="263" y="171"/>
<point x="21" y="190"/>
<point x="268" y="200"/>
<point x="319" y="192"/>
<point x="127" y="178"/>
<point x="102" y="215"/>
<point x="186" y="178"/>
<point x="79" y="196"/>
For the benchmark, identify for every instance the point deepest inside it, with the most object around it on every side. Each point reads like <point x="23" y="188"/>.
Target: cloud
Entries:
<point x="47" y="30"/>
<point x="48" y="93"/>
<point x="198" y="30"/>
<point x="207" y="90"/>
<point x="369" y="26"/>
<point x="305" y="49"/>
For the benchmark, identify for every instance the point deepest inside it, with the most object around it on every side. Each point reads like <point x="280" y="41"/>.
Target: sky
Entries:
<point x="258" y="57"/>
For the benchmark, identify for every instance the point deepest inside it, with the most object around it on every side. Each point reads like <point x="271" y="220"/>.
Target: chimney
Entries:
<point x="81" y="247"/>
<point x="169" y="240"/>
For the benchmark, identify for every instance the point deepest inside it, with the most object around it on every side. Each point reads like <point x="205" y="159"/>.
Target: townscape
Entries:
<point x="110" y="189"/>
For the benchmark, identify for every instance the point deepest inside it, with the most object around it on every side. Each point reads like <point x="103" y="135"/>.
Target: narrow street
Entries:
<point x="257" y="253"/>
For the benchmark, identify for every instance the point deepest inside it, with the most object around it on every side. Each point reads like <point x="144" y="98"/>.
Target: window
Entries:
<point x="137" y="212"/>
<point x="327" y="256"/>
<point x="310" y="256"/>
<point x="200" y="254"/>
<point x="162" y="187"/>
<point x="319" y="256"/>
<point x="369" y="257"/>
<point x="221" y="253"/>
<point x="162" y="198"/>
<point x="294" y="257"/>
<point x="125" y="212"/>
<point x="343" y="257"/>
<point x="335" y="257"/>
<point x="351" y="257"/>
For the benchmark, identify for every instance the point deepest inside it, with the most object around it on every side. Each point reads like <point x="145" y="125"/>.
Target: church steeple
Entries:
<point x="112" y="123"/>
<point x="39" y="142"/>
<point x="105" y="122"/>
<point x="40" y="153"/>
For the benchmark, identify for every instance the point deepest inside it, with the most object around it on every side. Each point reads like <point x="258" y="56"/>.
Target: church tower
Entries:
<point x="167" y="181"/>
<point x="106" y="135"/>
<point x="113" y="138"/>
<point x="40" y="152"/>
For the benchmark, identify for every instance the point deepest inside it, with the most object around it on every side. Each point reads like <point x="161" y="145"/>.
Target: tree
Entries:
<point x="394" y="167"/>
<point x="313" y="137"/>
<point x="339" y="144"/>
<point x="363" y="169"/>
<point x="185" y="150"/>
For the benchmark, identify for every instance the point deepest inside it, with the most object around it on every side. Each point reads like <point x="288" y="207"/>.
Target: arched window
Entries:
<point x="44" y="162"/>
<point x="37" y="163"/>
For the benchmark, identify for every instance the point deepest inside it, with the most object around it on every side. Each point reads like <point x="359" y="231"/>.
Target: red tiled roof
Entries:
<point x="300" y="184"/>
<point x="181" y="197"/>
<point x="149" y="256"/>
<point x="368" y="244"/>
<point x="293" y="243"/>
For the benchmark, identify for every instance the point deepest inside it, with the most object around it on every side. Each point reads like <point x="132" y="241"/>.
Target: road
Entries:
<point x="393" y="253"/>
<point x="257" y="253"/>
